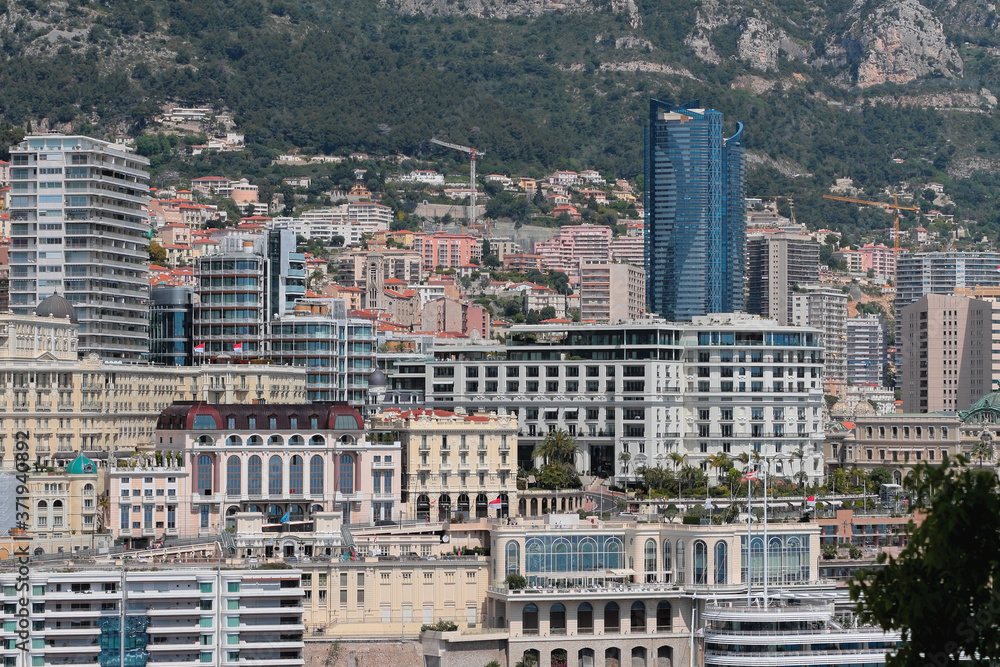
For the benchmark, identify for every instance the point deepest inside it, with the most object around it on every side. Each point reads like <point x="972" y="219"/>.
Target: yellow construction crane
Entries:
<point x="895" y="207"/>
<point x="474" y="153"/>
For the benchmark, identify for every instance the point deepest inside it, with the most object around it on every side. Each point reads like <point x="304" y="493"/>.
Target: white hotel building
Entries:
<point x="720" y="384"/>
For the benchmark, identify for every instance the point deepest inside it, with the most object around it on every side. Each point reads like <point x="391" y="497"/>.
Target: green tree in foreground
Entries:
<point x="943" y="591"/>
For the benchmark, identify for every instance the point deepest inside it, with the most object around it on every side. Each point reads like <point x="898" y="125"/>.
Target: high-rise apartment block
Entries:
<point x="179" y="616"/>
<point x="611" y="292"/>
<point x="252" y="280"/>
<point x="775" y="264"/>
<point x="946" y="351"/>
<point x="866" y="349"/>
<point x="78" y="228"/>
<point x="825" y="309"/>
<point x="923" y="273"/>
<point x="695" y="213"/>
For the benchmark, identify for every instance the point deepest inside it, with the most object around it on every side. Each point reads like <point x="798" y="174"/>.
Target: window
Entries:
<point x="205" y="474"/>
<point x="316" y="475"/>
<point x="295" y="475"/>
<point x="254" y="473"/>
<point x="275" y="473"/>
<point x="700" y="563"/>
<point x="233" y="476"/>
<point x="346" y="473"/>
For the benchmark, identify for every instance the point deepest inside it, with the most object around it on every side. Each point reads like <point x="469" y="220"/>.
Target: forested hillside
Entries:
<point x="825" y="88"/>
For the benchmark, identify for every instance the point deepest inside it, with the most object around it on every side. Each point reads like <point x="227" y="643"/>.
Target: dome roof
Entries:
<point x="985" y="411"/>
<point x="56" y="306"/>
<point x="81" y="465"/>
<point x="376" y="379"/>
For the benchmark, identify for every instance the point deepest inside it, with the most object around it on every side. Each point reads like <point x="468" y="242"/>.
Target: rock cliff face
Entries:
<point x="897" y="43"/>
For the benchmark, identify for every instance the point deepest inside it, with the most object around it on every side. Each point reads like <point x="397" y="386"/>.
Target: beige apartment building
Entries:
<point x="375" y="598"/>
<point x="946" y="350"/>
<point x="65" y="513"/>
<point x="775" y="263"/>
<point x="455" y="464"/>
<point x="896" y="441"/>
<point x="991" y="295"/>
<point x="69" y="405"/>
<point x="611" y="292"/>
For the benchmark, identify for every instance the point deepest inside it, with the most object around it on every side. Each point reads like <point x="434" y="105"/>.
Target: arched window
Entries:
<point x="43" y="506"/>
<point x="775" y="564"/>
<point x="700" y="563"/>
<point x="317" y="441"/>
<point x="255" y="441"/>
<point x="561" y="551"/>
<point x="637" y="617"/>
<point x="275" y="472"/>
<point x="316" y="475"/>
<point x="612" y="617"/>
<point x="88" y="489"/>
<point x="254" y="475"/>
<point x="585" y="618"/>
<point x="557" y="619"/>
<point x="275" y="441"/>
<point x="234" y="441"/>
<point x="664" y="617"/>
<point x="296" y="441"/>
<point x="204" y="474"/>
<point x="588" y="553"/>
<point x="533" y="556"/>
<point x="233" y="476"/>
<point x="346" y="473"/>
<point x="513" y="557"/>
<point x="613" y="553"/>
<point x="679" y="554"/>
<point x="668" y="561"/>
<point x="721" y="562"/>
<point x="650" y="558"/>
<point x="529" y="619"/>
<point x="295" y="475"/>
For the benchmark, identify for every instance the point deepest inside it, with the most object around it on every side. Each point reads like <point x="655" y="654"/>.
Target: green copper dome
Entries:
<point x="81" y="465"/>
<point x="985" y="411"/>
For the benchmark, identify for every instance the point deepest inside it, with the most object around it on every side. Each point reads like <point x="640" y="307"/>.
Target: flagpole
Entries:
<point x="749" y="532"/>
<point x="765" y="533"/>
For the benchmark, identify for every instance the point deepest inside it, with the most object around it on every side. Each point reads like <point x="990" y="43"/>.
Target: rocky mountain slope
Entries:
<point x="884" y="91"/>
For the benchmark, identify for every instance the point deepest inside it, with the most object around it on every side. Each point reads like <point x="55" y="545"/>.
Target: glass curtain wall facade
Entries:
<point x="695" y="213"/>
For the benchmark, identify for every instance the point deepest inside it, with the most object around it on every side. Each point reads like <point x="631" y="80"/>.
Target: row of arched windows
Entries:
<point x="702" y="577"/>
<point x="275" y="475"/>
<point x="273" y="441"/>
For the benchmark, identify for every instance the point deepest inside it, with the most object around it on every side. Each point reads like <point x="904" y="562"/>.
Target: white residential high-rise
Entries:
<point x="78" y="228"/>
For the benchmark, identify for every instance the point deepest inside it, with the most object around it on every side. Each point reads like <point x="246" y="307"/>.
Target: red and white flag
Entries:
<point x="199" y="348"/>
<point x="496" y="503"/>
<point x="750" y="474"/>
<point x="811" y="500"/>
<point x="238" y="348"/>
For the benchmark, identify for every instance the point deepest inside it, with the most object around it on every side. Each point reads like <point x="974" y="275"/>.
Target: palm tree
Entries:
<point x="557" y="447"/>
<point x="625" y="457"/>
<point x="983" y="450"/>
<point x="677" y="460"/>
<point x="800" y="454"/>
<point x="721" y="463"/>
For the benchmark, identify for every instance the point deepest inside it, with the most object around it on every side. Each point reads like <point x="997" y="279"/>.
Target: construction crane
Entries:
<point x="895" y="207"/>
<point x="474" y="153"/>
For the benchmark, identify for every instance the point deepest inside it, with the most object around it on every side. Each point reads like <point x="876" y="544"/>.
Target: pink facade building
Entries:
<point x="287" y="462"/>
<point x="564" y="251"/>
<point x="450" y="251"/>
<point x="879" y="258"/>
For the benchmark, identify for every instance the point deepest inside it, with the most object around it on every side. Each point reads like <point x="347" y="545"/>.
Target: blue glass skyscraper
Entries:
<point x="695" y="213"/>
